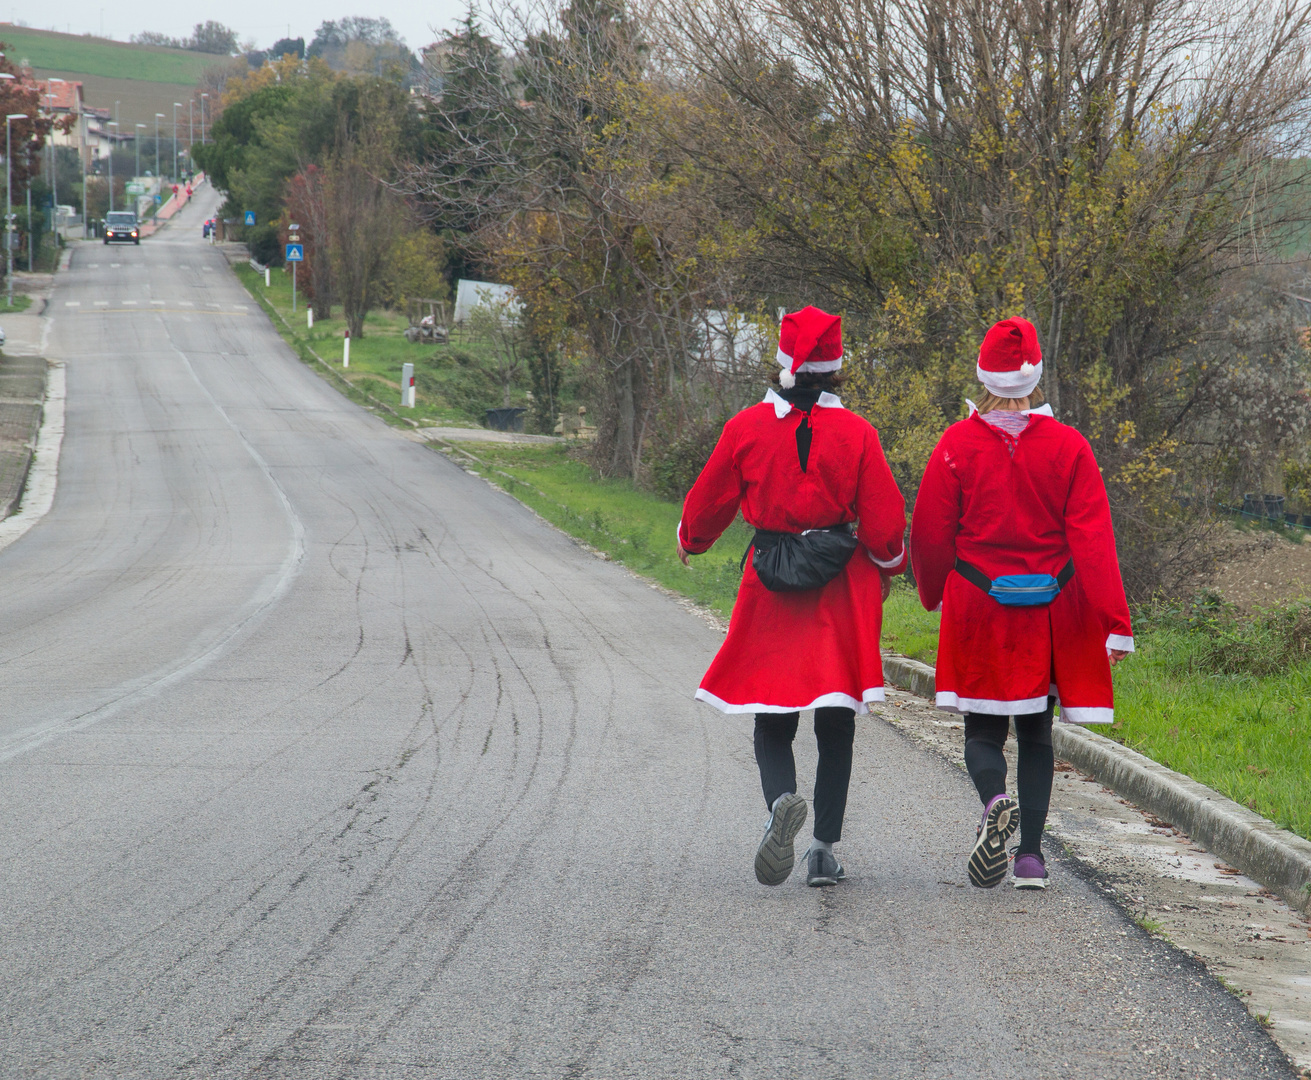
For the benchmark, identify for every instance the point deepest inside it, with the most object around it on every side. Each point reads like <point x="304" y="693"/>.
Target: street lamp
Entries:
<point x="140" y="127"/>
<point x="9" y="203"/>
<point x="191" y="133"/>
<point x="158" y="117"/>
<point x="112" y="135"/>
<point x="173" y="169"/>
<point x="54" y="170"/>
<point x="203" y="99"/>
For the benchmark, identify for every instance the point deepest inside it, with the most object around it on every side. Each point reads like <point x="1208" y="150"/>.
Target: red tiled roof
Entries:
<point x="58" y="95"/>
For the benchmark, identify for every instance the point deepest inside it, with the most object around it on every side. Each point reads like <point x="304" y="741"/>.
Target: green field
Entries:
<point x="47" y="50"/>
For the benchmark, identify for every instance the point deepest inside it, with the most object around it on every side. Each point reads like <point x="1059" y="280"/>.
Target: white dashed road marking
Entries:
<point x="72" y="303"/>
<point x="101" y="303"/>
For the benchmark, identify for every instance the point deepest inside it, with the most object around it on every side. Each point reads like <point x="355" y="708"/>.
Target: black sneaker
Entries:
<point x="823" y="868"/>
<point x="988" y="860"/>
<point x="775" y="856"/>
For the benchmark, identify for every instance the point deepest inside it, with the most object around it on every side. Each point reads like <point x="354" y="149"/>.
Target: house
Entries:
<point x="90" y="133"/>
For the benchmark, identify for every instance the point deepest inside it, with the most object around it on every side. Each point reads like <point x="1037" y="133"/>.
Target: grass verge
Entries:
<point x="454" y="383"/>
<point x="21" y="303"/>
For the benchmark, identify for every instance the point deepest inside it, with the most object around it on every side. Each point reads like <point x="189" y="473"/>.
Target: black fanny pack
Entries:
<point x="1018" y="590"/>
<point x="799" y="562"/>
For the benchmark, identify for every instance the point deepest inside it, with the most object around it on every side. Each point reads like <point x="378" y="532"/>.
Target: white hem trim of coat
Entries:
<point x="874" y="693"/>
<point x="1120" y="642"/>
<point x="951" y="703"/>
<point x="782" y="407"/>
<point x="1086" y="714"/>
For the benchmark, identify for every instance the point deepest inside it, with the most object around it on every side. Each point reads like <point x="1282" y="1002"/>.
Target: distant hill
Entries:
<point x="143" y="79"/>
<point x="48" y="50"/>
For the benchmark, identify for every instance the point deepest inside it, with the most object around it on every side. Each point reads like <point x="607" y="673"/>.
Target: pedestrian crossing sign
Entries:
<point x="295" y="253"/>
<point x="250" y="217"/>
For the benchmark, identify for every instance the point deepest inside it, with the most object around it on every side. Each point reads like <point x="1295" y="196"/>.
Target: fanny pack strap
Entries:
<point x="975" y="576"/>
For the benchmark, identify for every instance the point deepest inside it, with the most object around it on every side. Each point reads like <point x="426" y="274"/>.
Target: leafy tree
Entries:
<point x="288" y="47"/>
<point x="213" y="37"/>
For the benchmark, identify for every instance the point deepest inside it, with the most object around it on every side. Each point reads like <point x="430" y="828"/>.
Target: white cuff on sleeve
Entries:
<point x="891" y="564"/>
<point x="1119" y="642"/>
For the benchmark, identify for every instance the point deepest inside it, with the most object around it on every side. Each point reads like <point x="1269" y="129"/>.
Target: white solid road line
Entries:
<point x="43" y="473"/>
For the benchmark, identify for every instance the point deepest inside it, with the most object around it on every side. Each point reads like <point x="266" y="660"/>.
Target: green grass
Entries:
<point x="21" y="303"/>
<point x="74" y="53"/>
<point x="1225" y="699"/>
<point x="453" y="386"/>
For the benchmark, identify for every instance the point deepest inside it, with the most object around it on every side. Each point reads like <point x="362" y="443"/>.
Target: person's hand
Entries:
<point x="886" y="583"/>
<point x="1116" y="655"/>
<point x="682" y="553"/>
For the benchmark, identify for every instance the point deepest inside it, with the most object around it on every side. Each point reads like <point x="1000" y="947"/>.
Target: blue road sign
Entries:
<point x="295" y="253"/>
<point x="250" y="217"/>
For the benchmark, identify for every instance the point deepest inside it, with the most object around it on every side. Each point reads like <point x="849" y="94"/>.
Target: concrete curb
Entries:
<point x="1278" y="859"/>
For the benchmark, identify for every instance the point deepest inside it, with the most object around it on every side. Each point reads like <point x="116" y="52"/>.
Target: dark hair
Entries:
<point x="814" y="380"/>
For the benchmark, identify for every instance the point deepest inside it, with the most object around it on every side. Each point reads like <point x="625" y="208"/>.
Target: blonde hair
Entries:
<point x="991" y="401"/>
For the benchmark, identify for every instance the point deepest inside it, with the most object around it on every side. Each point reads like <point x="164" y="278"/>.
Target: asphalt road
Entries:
<point x="320" y="758"/>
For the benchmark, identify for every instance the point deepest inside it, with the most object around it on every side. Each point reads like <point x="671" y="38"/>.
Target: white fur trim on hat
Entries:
<point x="1011" y="384"/>
<point x="787" y="380"/>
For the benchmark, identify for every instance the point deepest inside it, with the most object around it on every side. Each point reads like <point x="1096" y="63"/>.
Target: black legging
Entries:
<point x="835" y="731"/>
<point x="985" y="736"/>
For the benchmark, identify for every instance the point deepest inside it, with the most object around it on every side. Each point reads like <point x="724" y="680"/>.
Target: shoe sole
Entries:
<point x="776" y="855"/>
<point x="818" y="882"/>
<point x="988" y="861"/>
<point x="1030" y="883"/>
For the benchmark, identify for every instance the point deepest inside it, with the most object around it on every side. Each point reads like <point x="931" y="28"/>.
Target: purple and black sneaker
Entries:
<point x="1029" y="872"/>
<point x="987" y="865"/>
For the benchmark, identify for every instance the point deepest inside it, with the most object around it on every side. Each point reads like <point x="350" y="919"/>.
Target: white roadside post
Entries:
<point x="346" y="349"/>
<point x="266" y="277"/>
<point x="309" y="318"/>
<point x="407" y="386"/>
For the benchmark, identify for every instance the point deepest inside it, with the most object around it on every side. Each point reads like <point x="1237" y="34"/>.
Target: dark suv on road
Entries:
<point x="122" y="225"/>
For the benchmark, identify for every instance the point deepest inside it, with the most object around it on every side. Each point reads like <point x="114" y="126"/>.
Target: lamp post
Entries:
<point x="9" y="202"/>
<point x="158" y="117"/>
<point x="140" y="127"/>
<point x="54" y="170"/>
<point x="112" y="134"/>
<point x="173" y="169"/>
<point x="203" y="99"/>
<point x="191" y="133"/>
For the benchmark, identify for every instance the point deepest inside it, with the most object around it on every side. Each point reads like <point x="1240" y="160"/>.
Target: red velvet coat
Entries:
<point x="1027" y="514"/>
<point x="790" y="651"/>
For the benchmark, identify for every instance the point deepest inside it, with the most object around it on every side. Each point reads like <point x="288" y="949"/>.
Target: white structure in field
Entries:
<point x="732" y="342"/>
<point x="472" y="294"/>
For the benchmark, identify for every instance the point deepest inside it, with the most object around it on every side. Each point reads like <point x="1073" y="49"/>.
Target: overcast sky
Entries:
<point x="262" y="20"/>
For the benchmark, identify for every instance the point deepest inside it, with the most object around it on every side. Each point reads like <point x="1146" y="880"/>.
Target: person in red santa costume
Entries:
<point x="1011" y="540"/>
<point x="799" y="463"/>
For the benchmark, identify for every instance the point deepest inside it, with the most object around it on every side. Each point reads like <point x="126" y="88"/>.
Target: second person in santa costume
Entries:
<point x="804" y="632"/>
<point x="1011" y="539"/>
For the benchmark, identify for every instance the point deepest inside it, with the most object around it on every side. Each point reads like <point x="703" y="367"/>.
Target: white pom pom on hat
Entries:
<point x="786" y="379"/>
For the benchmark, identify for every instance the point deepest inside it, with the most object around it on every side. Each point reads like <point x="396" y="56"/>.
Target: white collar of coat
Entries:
<point x="782" y="407"/>
<point x="1041" y="410"/>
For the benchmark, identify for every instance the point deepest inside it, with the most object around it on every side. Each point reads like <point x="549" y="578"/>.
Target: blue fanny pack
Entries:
<point x="1018" y="590"/>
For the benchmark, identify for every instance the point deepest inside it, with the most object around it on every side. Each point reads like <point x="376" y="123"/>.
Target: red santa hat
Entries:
<point x="808" y="340"/>
<point x="1010" y="362"/>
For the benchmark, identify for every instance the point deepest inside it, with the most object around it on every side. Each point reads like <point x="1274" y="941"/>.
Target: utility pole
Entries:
<point x="158" y="117"/>
<point x="191" y="134"/>
<point x="9" y="207"/>
<point x="173" y="171"/>
<point x="140" y="128"/>
<point x="82" y="165"/>
<point x="203" y="99"/>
